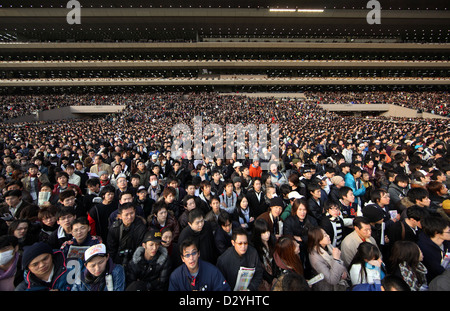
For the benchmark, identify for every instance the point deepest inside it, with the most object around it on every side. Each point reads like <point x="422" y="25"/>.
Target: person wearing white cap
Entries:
<point x="99" y="272"/>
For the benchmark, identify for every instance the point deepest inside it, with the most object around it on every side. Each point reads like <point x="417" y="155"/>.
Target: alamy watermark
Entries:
<point x="250" y="141"/>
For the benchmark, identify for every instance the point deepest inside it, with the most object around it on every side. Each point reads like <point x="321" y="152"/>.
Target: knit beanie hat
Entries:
<point x="372" y="213"/>
<point x="32" y="251"/>
<point x="336" y="179"/>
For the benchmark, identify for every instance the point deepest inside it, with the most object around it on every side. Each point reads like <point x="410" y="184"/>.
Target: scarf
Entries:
<point x="414" y="280"/>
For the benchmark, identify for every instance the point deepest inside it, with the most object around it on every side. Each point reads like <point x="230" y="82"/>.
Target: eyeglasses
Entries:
<point x="194" y="253"/>
<point x="241" y="243"/>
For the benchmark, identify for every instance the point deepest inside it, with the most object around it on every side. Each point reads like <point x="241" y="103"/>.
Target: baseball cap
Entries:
<point x="95" y="250"/>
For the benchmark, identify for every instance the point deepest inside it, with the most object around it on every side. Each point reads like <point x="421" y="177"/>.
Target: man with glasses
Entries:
<point x="196" y="274"/>
<point x="240" y="255"/>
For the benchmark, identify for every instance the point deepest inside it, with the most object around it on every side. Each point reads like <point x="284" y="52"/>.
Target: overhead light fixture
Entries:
<point x="282" y="10"/>
<point x="310" y="10"/>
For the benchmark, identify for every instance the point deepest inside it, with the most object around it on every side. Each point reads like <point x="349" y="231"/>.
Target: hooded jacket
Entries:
<point x="155" y="272"/>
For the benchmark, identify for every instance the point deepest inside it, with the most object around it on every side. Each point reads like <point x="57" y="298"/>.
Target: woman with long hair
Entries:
<point x="243" y="214"/>
<point x="406" y="262"/>
<point x="326" y="259"/>
<point x="286" y="256"/>
<point x="264" y="241"/>
<point x="367" y="265"/>
<point x="298" y="224"/>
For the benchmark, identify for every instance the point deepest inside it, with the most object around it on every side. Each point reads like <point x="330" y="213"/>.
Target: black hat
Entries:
<point x="372" y="213"/>
<point x="12" y="193"/>
<point x="276" y="201"/>
<point x="152" y="235"/>
<point x="32" y="251"/>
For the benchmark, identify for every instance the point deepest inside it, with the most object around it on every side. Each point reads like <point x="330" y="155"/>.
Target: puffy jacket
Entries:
<point x="60" y="280"/>
<point x="155" y="273"/>
<point x="209" y="278"/>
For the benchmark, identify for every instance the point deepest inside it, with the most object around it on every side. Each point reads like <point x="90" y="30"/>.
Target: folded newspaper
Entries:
<point x="77" y="252"/>
<point x="244" y="277"/>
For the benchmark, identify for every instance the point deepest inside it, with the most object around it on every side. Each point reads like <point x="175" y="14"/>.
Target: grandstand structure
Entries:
<point x="270" y="46"/>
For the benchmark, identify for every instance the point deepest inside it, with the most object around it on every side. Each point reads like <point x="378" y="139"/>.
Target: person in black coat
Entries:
<point x="256" y="198"/>
<point x="407" y="229"/>
<point x="315" y="202"/>
<point x="434" y="242"/>
<point x="150" y="264"/>
<point x="222" y="235"/>
<point x="201" y="230"/>
<point x="125" y="234"/>
<point x="333" y="224"/>
<point x="298" y="224"/>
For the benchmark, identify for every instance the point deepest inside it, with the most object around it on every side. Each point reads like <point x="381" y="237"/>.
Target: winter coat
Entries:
<point x="432" y="255"/>
<point x="332" y="270"/>
<point x="59" y="280"/>
<point x="155" y="272"/>
<point x="115" y="272"/>
<point x="396" y="193"/>
<point x="230" y="262"/>
<point x="123" y="241"/>
<point x="209" y="278"/>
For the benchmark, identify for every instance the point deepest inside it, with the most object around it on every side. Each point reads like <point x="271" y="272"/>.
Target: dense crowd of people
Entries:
<point x="13" y="106"/>
<point x="433" y="102"/>
<point x="345" y="203"/>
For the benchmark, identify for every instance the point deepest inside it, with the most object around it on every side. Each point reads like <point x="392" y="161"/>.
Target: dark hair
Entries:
<point x="238" y="231"/>
<point x="343" y="191"/>
<point x="64" y="211"/>
<point x="434" y="224"/>
<point x="124" y="193"/>
<point x="61" y="174"/>
<point x="194" y="214"/>
<point x="126" y="206"/>
<point x="188" y="242"/>
<point x="434" y="186"/>
<point x="393" y="282"/>
<point x="66" y="194"/>
<point x="159" y="205"/>
<point x="359" y="220"/>
<point x="405" y="252"/>
<point x="354" y="169"/>
<point x="329" y="204"/>
<point x="315" y="235"/>
<point x="366" y="251"/>
<point x="215" y="197"/>
<point x="261" y="226"/>
<point x="416" y="212"/>
<point x="223" y="217"/>
<point x="92" y="182"/>
<point x="80" y="220"/>
<point x="15" y="223"/>
<point x="47" y="211"/>
<point x="296" y="204"/>
<point x="106" y="189"/>
<point x="187" y="198"/>
<point x="377" y="194"/>
<point x="417" y="194"/>
<point x="401" y="178"/>
<point x="8" y="240"/>
<point x="292" y="281"/>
